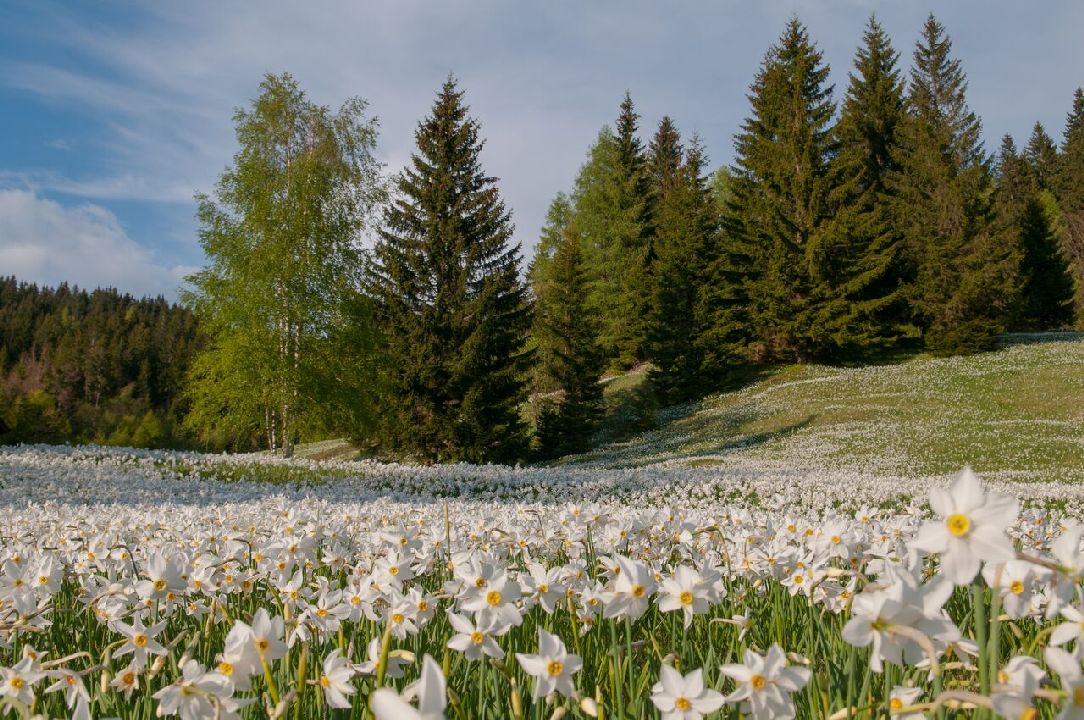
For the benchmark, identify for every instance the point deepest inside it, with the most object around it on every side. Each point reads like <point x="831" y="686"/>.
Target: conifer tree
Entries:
<point x="964" y="269"/>
<point x="1042" y="155"/>
<point x="686" y="222"/>
<point x="1070" y="184"/>
<point x="608" y="215"/>
<point x="859" y="274"/>
<point x="1045" y="297"/>
<point x="569" y="358"/>
<point x="780" y="188"/>
<point x="453" y="309"/>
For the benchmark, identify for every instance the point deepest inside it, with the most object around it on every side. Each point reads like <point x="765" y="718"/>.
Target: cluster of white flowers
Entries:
<point x="281" y="570"/>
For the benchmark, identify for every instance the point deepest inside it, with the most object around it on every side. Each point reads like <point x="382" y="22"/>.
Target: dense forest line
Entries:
<point x="846" y="227"/>
<point x="101" y="367"/>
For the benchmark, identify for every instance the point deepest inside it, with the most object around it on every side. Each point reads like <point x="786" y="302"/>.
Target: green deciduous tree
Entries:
<point x="285" y="357"/>
<point x="450" y="301"/>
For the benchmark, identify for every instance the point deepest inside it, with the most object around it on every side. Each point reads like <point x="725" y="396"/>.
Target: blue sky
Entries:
<point x="115" y="113"/>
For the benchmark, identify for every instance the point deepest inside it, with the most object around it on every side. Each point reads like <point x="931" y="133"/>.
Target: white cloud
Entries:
<point x="45" y="242"/>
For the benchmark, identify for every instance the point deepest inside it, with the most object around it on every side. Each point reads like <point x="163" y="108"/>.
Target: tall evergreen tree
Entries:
<point x="569" y="358"/>
<point x="608" y="216"/>
<point x="686" y="222"/>
<point x="964" y="270"/>
<point x="1070" y="182"/>
<point x="449" y="297"/>
<point x="859" y="274"/>
<point x="1042" y="154"/>
<point x="780" y="188"/>
<point x="286" y="352"/>
<point x="1045" y="297"/>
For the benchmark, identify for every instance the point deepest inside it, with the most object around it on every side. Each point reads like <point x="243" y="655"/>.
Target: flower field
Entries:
<point x="137" y="584"/>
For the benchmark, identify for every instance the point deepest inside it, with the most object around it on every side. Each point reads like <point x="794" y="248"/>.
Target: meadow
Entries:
<point x="739" y="561"/>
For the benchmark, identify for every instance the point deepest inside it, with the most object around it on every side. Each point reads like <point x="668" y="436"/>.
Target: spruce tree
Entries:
<point x="569" y="358"/>
<point x="454" y="311"/>
<point x="859" y="275"/>
<point x="1044" y="299"/>
<point x="780" y="188"/>
<point x="1042" y="155"/>
<point x="1070" y="182"/>
<point x="686" y="223"/>
<point x="964" y="269"/>
<point x="608" y="216"/>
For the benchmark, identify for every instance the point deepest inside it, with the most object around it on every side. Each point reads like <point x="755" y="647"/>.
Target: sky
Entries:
<point x="115" y="113"/>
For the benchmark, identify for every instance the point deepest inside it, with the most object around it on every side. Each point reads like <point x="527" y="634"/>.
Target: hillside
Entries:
<point x="1017" y="413"/>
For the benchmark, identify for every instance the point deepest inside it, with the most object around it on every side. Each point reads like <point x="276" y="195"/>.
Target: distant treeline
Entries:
<point x="101" y="367"/>
<point x="848" y="225"/>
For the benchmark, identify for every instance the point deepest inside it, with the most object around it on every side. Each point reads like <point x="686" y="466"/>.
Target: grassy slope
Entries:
<point x="1014" y="413"/>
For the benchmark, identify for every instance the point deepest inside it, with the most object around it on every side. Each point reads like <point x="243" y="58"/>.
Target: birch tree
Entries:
<point x="290" y="354"/>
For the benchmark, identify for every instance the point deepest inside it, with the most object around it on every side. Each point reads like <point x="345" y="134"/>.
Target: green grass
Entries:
<point x="1015" y="413"/>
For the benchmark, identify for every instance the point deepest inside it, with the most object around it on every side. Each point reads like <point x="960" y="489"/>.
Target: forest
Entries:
<point x="340" y="299"/>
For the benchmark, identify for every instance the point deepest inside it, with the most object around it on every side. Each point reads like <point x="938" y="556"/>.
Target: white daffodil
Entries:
<point x="685" y="590"/>
<point x="335" y="680"/>
<point x="140" y="640"/>
<point x="765" y="683"/>
<point x="1067" y="666"/>
<point x="197" y="695"/>
<point x="1015" y="687"/>
<point x="552" y="667"/>
<point x="681" y="697"/>
<point x="971" y="529"/>
<point x="472" y="640"/>
<point x="127" y="680"/>
<point x="901" y="697"/>
<point x="18" y="681"/>
<point x="632" y="589"/>
<point x="1070" y="630"/>
<point x="430" y="691"/>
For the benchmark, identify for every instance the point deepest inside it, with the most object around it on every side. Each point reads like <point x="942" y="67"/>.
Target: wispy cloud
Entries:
<point x="48" y="243"/>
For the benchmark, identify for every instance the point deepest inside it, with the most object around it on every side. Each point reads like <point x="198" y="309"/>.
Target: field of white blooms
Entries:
<point x="137" y="584"/>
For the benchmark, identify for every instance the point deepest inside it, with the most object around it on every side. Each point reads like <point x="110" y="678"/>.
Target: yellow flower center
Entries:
<point x="43" y="580"/>
<point x="397" y="618"/>
<point x="393" y="570"/>
<point x="322" y="612"/>
<point x="140" y="640"/>
<point x="958" y="524"/>
<point x="543" y="588"/>
<point x="17" y="682"/>
<point x="681" y="703"/>
<point x="1017" y="587"/>
<point x="638" y="591"/>
<point x="686" y="598"/>
<point x="477" y="637"/>
<point x="423" y="606"/>
<point x="480" y="582"/>
<point x="493" y="598"/>
<point x="836" y="540"/>
<point x="262" y="645"/>
<point x="1029" y="714"/>
<point x="758" y="682"/>
<point x="895" y="703"/>
<point x="159" y="585"/>
<point x="225" y="668"/>
<point x="555" y="668"/>
<point x="325" y="681"/>
<point x="128" y="678"/>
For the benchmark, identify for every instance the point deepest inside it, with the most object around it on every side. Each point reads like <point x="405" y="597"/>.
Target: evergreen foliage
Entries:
<point x="453" y="310"/>
<point x="1042" y="155"/>
<point x="92" y="367"/>
<point x="1070" y="180"/>
<point x="612" y="211"/>
<point x="781" y="184"/>
<point x="964" y="269"/>
<point x="1045" y="297"/>
<point x="290" y="353"/>
<point x="569" y="361"/>
<point x="686" y="227"/>
<point x="859" y="275"/>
